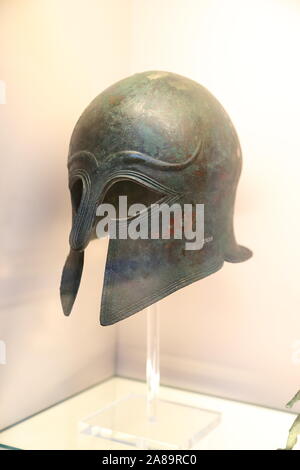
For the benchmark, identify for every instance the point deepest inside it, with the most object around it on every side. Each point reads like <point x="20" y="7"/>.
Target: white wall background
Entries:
<point x="55" y="56"/>
<point x="236" y="333"/>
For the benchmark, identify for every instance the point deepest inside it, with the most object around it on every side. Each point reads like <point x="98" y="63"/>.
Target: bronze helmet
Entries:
<point x="154" y="136"/>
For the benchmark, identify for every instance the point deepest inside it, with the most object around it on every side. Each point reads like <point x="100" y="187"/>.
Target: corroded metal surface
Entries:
<point x="169" y="134"/>
<point x="295" y="428"/>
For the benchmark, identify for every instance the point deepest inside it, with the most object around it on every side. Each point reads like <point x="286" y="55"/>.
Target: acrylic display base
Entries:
<point x="147" y="421"/>
<point x="175" y="426"/>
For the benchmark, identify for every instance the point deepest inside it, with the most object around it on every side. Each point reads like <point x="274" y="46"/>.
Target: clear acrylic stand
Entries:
<point x="146" y="421"/>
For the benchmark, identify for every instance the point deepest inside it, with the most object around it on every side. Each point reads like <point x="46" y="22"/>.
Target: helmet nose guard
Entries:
<point x="82" y="169"/>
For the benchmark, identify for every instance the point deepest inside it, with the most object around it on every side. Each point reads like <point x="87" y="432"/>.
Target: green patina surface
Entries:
<point x="295" y="429"/>
<point x="170" y="134"/>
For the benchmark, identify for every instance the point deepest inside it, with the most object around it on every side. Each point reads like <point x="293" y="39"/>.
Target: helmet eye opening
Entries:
<point x="135" y="192"/>
<point x="76" y="193"/>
